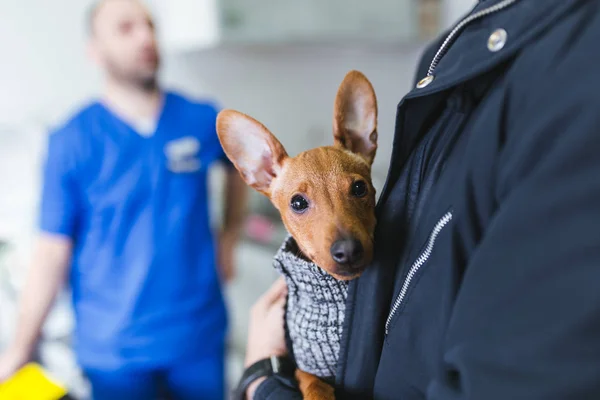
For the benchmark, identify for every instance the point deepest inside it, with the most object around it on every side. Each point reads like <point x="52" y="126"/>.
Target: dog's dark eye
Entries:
<point x="359" y="189"/>
<point x="299" y="204"/>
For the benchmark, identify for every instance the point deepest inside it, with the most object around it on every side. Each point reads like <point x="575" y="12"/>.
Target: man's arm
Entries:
<point x="236" y="194"/>
<point x="59" y="211"/>
<point x="233" y="220"/>
<point x="526" y="322"/>
<point x="51" y="261"/>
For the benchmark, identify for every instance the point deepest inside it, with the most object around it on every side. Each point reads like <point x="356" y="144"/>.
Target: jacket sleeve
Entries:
<point x="526" y="321"/>
<point x="277" y="388"/>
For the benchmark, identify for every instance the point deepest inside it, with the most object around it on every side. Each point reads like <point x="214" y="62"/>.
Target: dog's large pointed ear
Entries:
<point x="355" y="116"/>
<point x="254" y="151"/>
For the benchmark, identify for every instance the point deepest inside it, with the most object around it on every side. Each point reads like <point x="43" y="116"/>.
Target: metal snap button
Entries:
<point x="425" y="81"/>
<point x="497" y="40"/>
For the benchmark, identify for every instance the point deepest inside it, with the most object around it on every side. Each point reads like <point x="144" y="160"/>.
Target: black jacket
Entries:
<point x="489" y="223"/>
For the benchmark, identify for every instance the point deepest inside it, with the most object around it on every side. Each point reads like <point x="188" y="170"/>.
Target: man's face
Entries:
<point x="124" y="43"/>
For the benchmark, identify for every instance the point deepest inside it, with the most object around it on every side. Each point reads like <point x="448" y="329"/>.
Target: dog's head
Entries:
<point x="325" y="195"/>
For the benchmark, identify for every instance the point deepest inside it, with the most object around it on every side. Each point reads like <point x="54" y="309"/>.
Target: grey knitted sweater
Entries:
<point x="314" y="314"/>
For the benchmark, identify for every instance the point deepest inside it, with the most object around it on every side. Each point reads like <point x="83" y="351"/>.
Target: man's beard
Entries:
<point x="148" y="84"/>
<point x="146" y="81"/>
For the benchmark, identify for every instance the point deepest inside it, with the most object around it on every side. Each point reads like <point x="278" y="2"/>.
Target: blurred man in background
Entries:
<point x="125" y="210"/>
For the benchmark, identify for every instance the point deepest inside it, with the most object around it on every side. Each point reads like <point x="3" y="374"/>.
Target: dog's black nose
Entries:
<point x="347" y="251"/>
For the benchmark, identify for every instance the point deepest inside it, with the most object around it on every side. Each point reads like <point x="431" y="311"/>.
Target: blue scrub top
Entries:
<point x="145" y="286"/>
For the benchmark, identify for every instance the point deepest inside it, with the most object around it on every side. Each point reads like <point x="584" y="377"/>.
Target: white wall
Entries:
<point x="453" y="10"/>
<point x="43" y="74"/>
<point x="43" y="71"/>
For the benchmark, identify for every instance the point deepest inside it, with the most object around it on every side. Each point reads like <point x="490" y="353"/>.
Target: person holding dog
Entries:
<point x="484" y="283"/>
<point x="124" y="213"/>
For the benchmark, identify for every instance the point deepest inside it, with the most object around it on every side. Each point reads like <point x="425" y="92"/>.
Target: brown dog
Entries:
<point x="325" y="195"/>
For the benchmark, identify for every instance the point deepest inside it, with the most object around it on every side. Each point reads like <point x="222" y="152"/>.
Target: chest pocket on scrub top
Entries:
<point x="183" y="155"/>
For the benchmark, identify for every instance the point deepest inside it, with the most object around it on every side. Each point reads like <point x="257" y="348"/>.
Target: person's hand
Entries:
<point x="227" y="242"/>
<point x="266" y="335"/>
<point x="10" y="362"/>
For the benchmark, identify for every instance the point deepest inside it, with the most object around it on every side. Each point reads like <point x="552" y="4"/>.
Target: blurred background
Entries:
<point x="279" y="61"/>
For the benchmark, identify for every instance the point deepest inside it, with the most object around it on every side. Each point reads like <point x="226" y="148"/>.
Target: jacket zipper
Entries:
<point x="443" y="49"/>
<point x="422" y="259"/>
<point x="453" y="34"/>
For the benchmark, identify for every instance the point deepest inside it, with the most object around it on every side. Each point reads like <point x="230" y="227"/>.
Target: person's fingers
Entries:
<point x="280" y="303"/>
<point x="229" y="272"/>
<point x="276" y="291"/>
<point x="279" y="307"/>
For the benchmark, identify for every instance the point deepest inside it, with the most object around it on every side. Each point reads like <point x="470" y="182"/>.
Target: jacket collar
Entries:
<point x="469" y="56"/>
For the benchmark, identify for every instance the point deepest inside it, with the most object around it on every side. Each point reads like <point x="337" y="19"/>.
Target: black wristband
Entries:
<point x="266" y="367"/>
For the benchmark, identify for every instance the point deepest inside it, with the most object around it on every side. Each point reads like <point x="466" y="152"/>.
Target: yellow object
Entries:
<point x="31" y="383"/>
